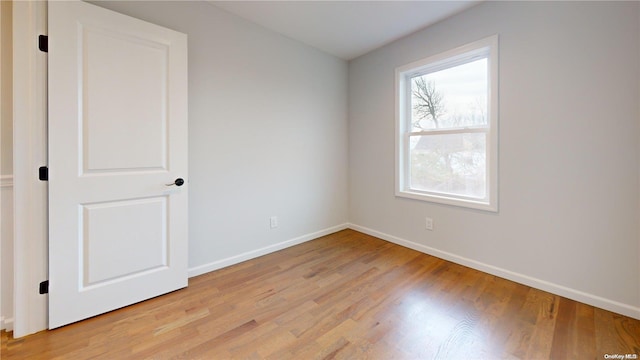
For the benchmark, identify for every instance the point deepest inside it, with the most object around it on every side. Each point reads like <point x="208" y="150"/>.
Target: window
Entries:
<point x="447" y="135"/>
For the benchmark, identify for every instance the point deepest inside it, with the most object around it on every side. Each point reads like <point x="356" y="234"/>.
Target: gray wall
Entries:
<point x="267" y="132"/>
<point x="568" y="148"/>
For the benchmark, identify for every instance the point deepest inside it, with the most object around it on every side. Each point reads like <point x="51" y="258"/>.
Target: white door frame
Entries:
<point x="29" y="153"/>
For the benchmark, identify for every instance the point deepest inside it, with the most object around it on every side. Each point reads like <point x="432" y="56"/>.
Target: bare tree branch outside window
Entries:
<point x="429" y="104"/>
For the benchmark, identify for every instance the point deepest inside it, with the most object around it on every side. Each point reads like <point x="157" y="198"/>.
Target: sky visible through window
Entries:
<point x="463" y="90"/>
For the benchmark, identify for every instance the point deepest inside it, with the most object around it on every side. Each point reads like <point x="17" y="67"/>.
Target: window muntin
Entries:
<point x="447" y="127"/>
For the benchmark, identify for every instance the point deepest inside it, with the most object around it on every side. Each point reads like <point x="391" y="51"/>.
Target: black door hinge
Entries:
<point x="43" y="43"/>
<point x="43" y="173"/>
<point x="44" y="287"/>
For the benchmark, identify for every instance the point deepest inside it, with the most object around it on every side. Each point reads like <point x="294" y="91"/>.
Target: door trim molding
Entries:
<point x="29" y="153"/>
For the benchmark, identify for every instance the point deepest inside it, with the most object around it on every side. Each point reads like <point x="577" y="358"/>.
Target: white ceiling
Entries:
<point x="346" y="29"/>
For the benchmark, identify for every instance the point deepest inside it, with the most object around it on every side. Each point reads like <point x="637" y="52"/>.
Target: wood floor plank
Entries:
<point x="545" y="322"/>
<point x="342" y="296"/>
<point x="563" y="334"/>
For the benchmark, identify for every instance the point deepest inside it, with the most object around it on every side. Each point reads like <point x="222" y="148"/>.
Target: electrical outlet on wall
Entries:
<point x="273" y="221"/>
<point x="428" y="223"/>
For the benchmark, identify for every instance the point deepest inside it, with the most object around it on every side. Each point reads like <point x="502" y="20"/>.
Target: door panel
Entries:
<point x="117" y="138"/>
<point x="139" y="72"/>
<point x="131" y="233"/>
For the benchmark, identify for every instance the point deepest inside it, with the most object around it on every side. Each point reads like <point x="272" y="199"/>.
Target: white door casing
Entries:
<point x="117" y="140"/>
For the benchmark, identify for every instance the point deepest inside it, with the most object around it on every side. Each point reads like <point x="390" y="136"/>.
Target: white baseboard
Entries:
<point x="590" y="299"/>
<point x="6" y="324"/>
<point x="202" y="269"/>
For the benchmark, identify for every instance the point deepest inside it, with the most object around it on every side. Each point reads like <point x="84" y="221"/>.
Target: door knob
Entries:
<point x="178" y="182"/>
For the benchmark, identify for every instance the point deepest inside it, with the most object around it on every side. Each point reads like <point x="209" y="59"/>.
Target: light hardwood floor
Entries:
<point x="346" y="295"/>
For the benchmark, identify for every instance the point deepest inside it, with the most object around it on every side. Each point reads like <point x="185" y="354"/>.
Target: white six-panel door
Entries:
<point x="117" y="142"/>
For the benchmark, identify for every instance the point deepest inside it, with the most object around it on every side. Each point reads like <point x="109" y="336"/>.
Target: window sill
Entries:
<point x="448" y="200"/>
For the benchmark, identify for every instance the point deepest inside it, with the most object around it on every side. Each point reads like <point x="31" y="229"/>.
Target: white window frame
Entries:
<point x="484" y="48"/>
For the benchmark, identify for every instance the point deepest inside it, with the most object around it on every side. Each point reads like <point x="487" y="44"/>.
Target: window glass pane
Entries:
<point x="449" y="164"/>
<point x="451" y="98"/>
